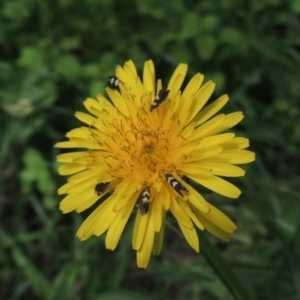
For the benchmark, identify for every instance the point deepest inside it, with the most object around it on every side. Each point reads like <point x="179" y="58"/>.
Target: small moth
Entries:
<point x="175" y="184"/>
<point x="161" y="97"/>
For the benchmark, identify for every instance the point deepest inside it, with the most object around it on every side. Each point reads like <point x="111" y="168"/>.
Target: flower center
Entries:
<point x="149" y="147"/>
<point x="137" y="149"/>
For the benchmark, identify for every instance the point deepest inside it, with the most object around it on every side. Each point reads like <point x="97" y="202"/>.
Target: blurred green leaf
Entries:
<point x="295" y="6"/>
<point x="190" y="26"/>
<point x="70" y="43"/>
<point x="31" y="57"/>
<point x="210" y="21"/>
<point x="96" y="87"/>
<point x="67" y="66"/>
<point x="37" y="171"/>
<point x="206" y="45"/>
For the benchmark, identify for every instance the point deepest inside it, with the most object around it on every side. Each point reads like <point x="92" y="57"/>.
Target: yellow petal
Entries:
<point x="144" y="253"/>
<point x="123" y="190"/>
<point x="197" y="200"/>
<point x="66" y="144"/>
<point x="117" y="100"/>
<point x="85" y="118"/>
<point x="216" y="184"/>
<point x="107" y="219"/>
<point x="220" y="219"/>
<point x="88" y="202"/>
<point x="191" y="236"/>
<point x="141" y="91"/>
<point x="215" y="168"/>
<point x="87" y="160"/>
<point x="186" y="148"/>
<point x="168" y="113"/>
<point x="97" y="174"/>
<point x="187" y="98"/>
<point x="230" y="121"/>
<point x="158" y="86"/>
<point x="106" y="105"/>
<point x="206" y="129"/>
<point x="149" y="76"/>
<point x="73" y="201"/>
<point x="63" y="189"/>
<point x="131" y="65"/>
<point x="237" y="143"/>
<point x="185" y="206"/>
<point x="214" y="140"/>
<point x="188" y="130"/>
<point x="203" y="154"/>
<point x="215" y="230"/>
<point x="89" y="143"/>
<point x="69" y="157"/>
<point x="211" y="109"/>
<point x="159" y="237"/>
<point x="177" y="79"/>
<point x="115" y="230"/>
<point x="192" y="87"/>
<point x="120" y="73"/>
<point x="157" y="212"/>
<point x="235" y="157"/>
<point x="165" y="198"/>
<point x="180" y="215"/>
<point x="139" y="230"/>
<point x="81" y="132"/>
<point x="217" y="223"/>
<point x="99" y="215"/>
<point x="87" y="184"/>
<point x="93" y="106"/>
<point x="200" y="99"/>
<point x="71" y="168"/>
<point x="131" y="75"/>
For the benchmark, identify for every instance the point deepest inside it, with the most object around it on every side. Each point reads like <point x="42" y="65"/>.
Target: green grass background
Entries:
<point x="55" y="53"/>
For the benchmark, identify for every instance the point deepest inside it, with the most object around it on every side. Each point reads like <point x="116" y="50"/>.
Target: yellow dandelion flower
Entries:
<point x="140" y="147"/>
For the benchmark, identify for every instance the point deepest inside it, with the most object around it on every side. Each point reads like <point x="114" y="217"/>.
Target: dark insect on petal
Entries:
<point x="161" y="97"/>
<point x="113" y="82"/>
<point x="100" y="188"/>
<point x="144" y="200"/>
<point x="175" y="184"/>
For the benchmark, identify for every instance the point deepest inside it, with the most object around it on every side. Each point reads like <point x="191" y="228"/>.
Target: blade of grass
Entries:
<point x="221" y="268"/>
<point x="290" y="258"/>
<point x="223" y="271"/>
<point x="39" y="284"/>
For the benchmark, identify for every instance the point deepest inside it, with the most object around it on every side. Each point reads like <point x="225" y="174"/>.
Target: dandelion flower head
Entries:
<point x="142" y="148"/>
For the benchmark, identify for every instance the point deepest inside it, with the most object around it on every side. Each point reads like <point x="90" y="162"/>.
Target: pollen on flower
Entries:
<point x="135" y="146"/>
<point x="142" y="149"/>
